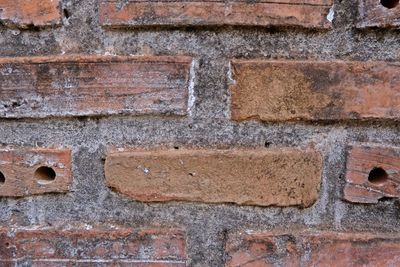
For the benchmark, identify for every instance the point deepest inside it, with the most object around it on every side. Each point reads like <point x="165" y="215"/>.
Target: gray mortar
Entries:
<point x="208" y="125"/>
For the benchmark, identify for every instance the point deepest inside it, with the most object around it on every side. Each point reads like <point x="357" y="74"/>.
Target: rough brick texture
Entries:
<point x="295" y="248"/>
<point x="93" y="85"/>
<point x="22" y="13"/>
<point x="310" y="90"/>
<point x="279" y="177"/>
<point x="373" y="13"/>
<point x="305" y="13"/>
<point x="372" y="173"/>
<point x="32" y="171"/>
<point x="92" y="245"/>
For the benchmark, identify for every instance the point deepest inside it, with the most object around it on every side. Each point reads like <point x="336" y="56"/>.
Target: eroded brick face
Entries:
<point x="93" y="85"/>
<point x="307" y="13"/>
<point x="280" y="177"/>
<point x="385" y="13"/>
<point x="92" y="245"/>
<point x="22" y="13"/>
<point x="372" y="172"/>
<point x="32" y="171"/>
<point x="310" y="90"/>
<point x="294" y="248"/>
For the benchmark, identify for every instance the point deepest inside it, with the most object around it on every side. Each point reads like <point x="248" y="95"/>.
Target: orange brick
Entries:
<point x="24" y="13"/>
<point x="372" y="173"/>
<point x="314" y="90"/>
<point x="304" y="13"/>
<point x="88" y="245"/>
<point x="306" y="248"/>
<point x="93" y="85"/>
<point x="32" y="171"/>
<point x="280" y="177"/>
<point x="384" y="13"/>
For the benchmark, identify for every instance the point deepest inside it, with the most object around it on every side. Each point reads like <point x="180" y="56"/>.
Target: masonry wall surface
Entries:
<point x="202" y="122"/>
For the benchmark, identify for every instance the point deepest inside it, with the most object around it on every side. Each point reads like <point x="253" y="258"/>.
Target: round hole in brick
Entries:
<point x="2" y="178"/>
<point x="390" y="3"/>
<point x="378" y="176"/>
<point x="45" y="174"/>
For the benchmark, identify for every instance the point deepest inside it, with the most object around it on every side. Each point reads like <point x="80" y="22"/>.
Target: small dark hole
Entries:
<point x="378" y="176"/>
<point x="267" y="144"/>
<point x="2" y="178"/>
<point x="66" y="13"/>
<point x="390" y="3"/>
<point x="191" y="174"/>
<point x="176" y="147"/>
<point x="45" y="174"/>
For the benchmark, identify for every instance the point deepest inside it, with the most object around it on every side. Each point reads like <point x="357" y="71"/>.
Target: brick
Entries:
<point x="32" y="171"/>
<point x="313" y="90"/>
<point x="22" y="13"/>
<point x="306" y="248"/>
<point x="280" y="177"/>
<point x="304" y="13"/>
<point x="372" y="173"/>
<point x="93" y="85"/>
<point x="86" y="245"/>
<point x="373" y="13"/>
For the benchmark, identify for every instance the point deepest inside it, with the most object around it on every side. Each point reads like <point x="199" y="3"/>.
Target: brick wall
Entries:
<point x="209" y="133"/>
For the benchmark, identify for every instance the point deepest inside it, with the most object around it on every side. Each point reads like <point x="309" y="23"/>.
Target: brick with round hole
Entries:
<point x="372" y="173"/>
<point x="378" y="13"/>
<point x="28" y="171"/>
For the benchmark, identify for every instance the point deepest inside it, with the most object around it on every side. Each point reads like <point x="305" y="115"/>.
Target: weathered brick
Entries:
<point x="313" y="90"/>
<point x="93" y="85"/>
<point x="85" y="245"/>
<point x="280" y="177"/>
<point x="372" y="173"/>
<point x="384" y="13"/>
<point x="24" y="13"/>
<point x="306" y="248"/>
<point x="32" y="171"/>
<point x="305" y="13"/>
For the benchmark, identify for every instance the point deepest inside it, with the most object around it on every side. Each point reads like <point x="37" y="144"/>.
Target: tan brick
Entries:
<point x="307" y="248"/>
<point x="280" y="177"/>
<point x="313" y="90"/>
<point x="373" y="13"/>
<point x="372" y="173"/>
<point x="304" y="13"/>
<point x="24" y="13"/>
<point x="93" y="85"/>
<point x="85" y="245"/>
<point x="32" y="171"/>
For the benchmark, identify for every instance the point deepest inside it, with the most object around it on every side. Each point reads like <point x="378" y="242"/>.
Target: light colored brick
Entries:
<point x="93" y="85"/>
<point x="32" y="171"/>
<point x="314" y="90"/>
<point x="24" y="13"/>
<point x="264" y="177"/>
<point x="306" y="13"/>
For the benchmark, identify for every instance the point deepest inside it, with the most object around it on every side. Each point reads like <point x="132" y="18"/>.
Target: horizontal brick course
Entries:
<point x="32" y="171"/>
<point x="93" y="85"/>
<point x="22" y="13"/>
<point x="308" y="248"/>
<point x="314" y="90"/>
<point x="308" y="13"/>
<point x="281" y="177"/>
<point x="106" y="245"/>
<point x="372" y="13"/>
<point x="372" y="173"/>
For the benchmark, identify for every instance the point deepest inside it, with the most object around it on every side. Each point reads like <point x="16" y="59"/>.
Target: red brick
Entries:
<point x="24" y="13"/>
<point x="373" y="14"/>
<point x="372" y="173"/>
<point x="107" y="245"/>
<point x="306" y="248"/>
<point x="93" y="85"/>
<point x="280" y="177"/>
<point x="314" y="90"/>
<point x="304" y="13"/>
<point x="28" y="171"/>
